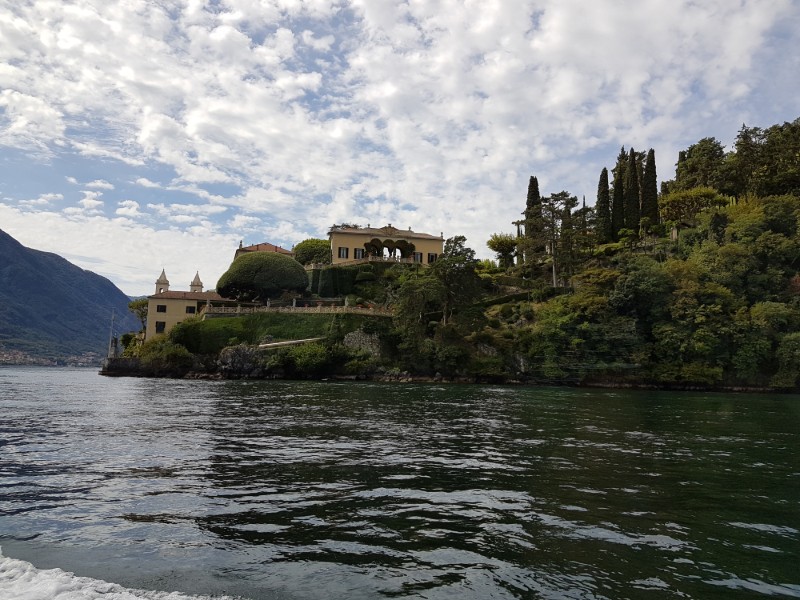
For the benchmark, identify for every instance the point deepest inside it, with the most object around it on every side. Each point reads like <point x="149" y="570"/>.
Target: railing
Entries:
<point x="244" y="310"/>
<point x="365" y="260"/>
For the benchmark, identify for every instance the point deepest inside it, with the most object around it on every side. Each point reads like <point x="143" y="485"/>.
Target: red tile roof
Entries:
<point x="198" y="296"/>
<point x="264" y="247"/>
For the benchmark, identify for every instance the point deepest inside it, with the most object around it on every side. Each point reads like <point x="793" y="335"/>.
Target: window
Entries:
<point x="190" y="310"/>
<point x="432" y="257"/>
<point x="343" y="252"/>
<point x="161" y="308"/>
<point x="358" y="252"/>
<point x="417" y="257"/>
<point x="160" y="326"/>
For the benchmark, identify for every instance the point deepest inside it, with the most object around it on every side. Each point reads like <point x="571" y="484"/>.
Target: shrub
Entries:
<point x="488" y="368"/>
<point x="313" y="250"/>
<point x="308" y="360"/>
<point x="257" y="276"/>
<point x="163" y="358"/>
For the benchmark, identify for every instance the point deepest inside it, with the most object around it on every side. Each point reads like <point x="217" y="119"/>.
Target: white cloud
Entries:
<point x="42" y="200"/>
<point x="144" y="182"/>
<point x="320" y="44"/>
<point x="278" y="118"/>
<point x="128" y="208"/>
<point x="245" y="224"/>
<point x="88" y="206"/>
<point x="100" y="184"/>
<point x="28" y="122"/>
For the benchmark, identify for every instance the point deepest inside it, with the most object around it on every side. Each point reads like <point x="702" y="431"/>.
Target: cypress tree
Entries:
<point x="618" y="198"/>
<point x="632" y="207"/>
<point x="533" y="203"/>
<point x="603" y="209"/>
<point x="650" y="189"/>
<point x="534" y="225"/>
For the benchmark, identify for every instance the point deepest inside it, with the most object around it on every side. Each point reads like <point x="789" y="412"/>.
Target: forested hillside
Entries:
<point x="52" y="309"/>
<point x="694" y="285"/>
<point x="697" y="285"/>
<point x="695" y="282"/>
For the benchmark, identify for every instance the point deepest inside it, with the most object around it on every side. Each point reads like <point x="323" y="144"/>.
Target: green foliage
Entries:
<point x="788" y="355"/>
<point x="603" y="228"/>
<point x="139" y="308"/>
<point x="161" y="357"/>
<point x="131" y="344"/>
<point x="455" y="272"/>
<point x="618" y="197"/>
<point x="721" y="307"/>
<point x="683" y="206"/>
<point x="531" y="242"/>
<point x="313" y="250"/>
<point x="486" y="265"/>
<point x="504" y="245"/>
<point x="700" y="166"/>
<point x="309" y="360"/>
<point x="365" y="274"/>
<point x="632" y="208"/>
<point x="338" y="281"/>
<point x="764" y="162"/>
<point x="417" y="297"/>
<point x="491" y="369"/>
<point x="650" y="191"/>
<point x="257" y="276"/>
<point x="211" y="335"/>
<point x="314" y="278"/>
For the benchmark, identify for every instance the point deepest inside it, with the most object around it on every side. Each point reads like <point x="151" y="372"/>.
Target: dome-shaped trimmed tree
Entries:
<point x="256" y="276"/>
<point x="313" y="250"/>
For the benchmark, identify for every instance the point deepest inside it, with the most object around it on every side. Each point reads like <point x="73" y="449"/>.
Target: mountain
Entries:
<point x="52" y="309"/>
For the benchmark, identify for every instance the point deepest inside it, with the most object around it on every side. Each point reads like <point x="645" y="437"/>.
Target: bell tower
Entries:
<point x="162" y="283"/>
<point x="196" y="285"/>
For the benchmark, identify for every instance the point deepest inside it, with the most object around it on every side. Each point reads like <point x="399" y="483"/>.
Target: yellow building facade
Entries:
<point x="353" y="244"/>
<point x="166" y="308"/>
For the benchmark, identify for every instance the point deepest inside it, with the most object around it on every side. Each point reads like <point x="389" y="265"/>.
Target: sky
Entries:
<point x="141" y="135"/>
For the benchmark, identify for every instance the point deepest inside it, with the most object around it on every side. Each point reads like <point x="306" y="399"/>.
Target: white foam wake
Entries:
<point x="20" y="580"/>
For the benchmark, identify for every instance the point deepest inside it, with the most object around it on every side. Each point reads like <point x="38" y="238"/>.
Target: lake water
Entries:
<point x="322" y="490"/>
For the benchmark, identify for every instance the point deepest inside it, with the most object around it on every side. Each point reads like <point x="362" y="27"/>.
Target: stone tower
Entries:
<point x="162" y="283"/>
<point x="196" y="285"/>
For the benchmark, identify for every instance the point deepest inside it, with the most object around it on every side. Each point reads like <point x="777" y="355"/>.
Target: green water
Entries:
<point x="332" y="490"/>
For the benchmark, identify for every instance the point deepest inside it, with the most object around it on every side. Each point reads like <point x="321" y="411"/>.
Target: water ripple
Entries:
<point x="327" y="490"/>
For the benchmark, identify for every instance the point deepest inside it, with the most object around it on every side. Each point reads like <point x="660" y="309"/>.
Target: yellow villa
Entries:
<point x="166" y="308"/>
<point x="352" y="243"/>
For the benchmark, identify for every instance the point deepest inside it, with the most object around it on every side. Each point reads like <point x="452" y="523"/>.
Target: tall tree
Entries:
<point x="618" y="198"/>
<point x="682" y="207"/>
<point x="566" y="247"/>
<point x="780" y="161"/>
<point x="560" y="234"/>
<point x="742" y="165"/>
<point x="504" y="244"/>
<point x="603" y="209"/>
<point x="632" y="207"/>
<point x="139" y="308"/>
<point x="455" y="270"/>
<point x="650" y="190"/>
<point x="533" y="219"/>
<point x="700" y="165"/>
<point x="586" y="238"/>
